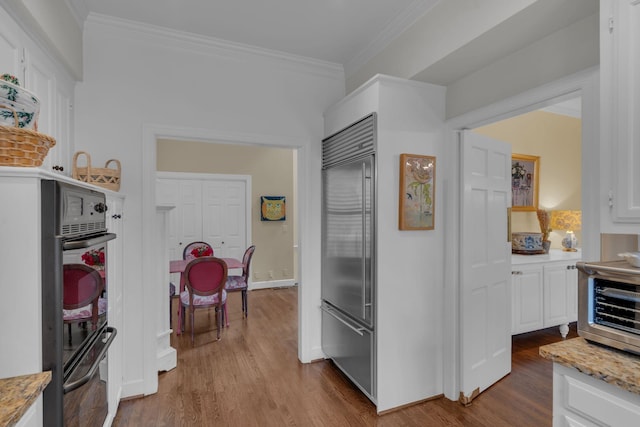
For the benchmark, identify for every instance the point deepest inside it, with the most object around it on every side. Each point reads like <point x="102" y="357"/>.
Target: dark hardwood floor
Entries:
<point x="252" y="377"/>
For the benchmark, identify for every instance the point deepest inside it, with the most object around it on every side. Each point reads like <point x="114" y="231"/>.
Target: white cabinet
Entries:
<point x="620" y="106"/>
<point x="115" y="218"/>
<point x="527" y="298"/>
<point x="581" y="400"/>
<point x="560" y="294"/>
<point x="48" y="80"/>
<point x="544" y="291"/>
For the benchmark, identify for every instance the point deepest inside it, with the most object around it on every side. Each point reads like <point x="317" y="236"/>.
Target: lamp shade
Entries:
<point x="566" y="220"/>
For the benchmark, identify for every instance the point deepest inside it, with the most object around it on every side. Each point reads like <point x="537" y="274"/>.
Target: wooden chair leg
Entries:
<point x="192" y="326"/>
<point x="219" y="318"/>
<point x="245" y="303"/>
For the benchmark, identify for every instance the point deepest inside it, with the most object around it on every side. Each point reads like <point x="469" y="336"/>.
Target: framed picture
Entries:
<point x="417" y="192"/>
<point x="524" y="182"/>
<point x="273" y="208"/>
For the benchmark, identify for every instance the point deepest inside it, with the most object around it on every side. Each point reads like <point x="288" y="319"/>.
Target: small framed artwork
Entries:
<point x="417" y="192"/>
<point x="273" y="208"/>
<point x="524" y="182"/>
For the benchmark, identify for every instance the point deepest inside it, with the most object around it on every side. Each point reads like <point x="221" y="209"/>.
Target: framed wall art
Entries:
<point x="417" y="192"/>
<point x="273" y="208"/>
<point x="524" y="182"/>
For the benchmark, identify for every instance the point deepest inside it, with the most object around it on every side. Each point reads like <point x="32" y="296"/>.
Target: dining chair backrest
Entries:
<point x="196" y="250"/>
<point x="206" y="276"/>
<point x="246" y="261"/>
<point x="82" y="286"/>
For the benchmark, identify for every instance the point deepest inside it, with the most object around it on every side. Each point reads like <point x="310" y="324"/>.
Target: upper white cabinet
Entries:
<point x="39" y="73"/>
<point x="620" y="106"/>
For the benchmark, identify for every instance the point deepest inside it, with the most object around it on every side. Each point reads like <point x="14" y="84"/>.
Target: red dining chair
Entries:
<point x="81" y="301"/>
<point x="240" y="283"/>
<point x="204" y="281"/>
<point x="196" y="250"/>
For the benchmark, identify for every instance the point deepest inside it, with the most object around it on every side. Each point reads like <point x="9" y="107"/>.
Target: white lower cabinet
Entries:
<point x="581" y="400"/>
<point x="544" y="292"/>
<point x="526" y="296"/>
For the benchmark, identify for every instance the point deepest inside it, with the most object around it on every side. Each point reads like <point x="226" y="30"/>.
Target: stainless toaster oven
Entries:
<point x="609" y="304"/>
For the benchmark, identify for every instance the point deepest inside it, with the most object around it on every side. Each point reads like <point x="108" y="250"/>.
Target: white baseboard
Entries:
<point x="272" y="284"/>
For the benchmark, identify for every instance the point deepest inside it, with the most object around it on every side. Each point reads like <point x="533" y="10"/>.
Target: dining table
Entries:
<point x="179" y="265"/>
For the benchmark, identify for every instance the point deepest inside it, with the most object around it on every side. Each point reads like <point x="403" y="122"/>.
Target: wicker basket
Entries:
<point x="106" y="177"/>
<point x="23" y="147"/>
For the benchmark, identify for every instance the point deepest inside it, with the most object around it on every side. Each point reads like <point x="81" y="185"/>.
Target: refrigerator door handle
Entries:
<point x="329" y="311"/>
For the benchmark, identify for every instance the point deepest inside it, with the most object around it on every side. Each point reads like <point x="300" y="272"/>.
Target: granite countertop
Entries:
<point x="609" y="365"/>
<point x="17" y="394"/>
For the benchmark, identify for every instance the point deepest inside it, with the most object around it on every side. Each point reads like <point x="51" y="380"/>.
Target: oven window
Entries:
<point x="84" y="298"/>
<point x="617" y="305"/>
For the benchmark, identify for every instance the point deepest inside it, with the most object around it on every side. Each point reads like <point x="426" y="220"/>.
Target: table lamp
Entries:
<point x="569" y="221"/>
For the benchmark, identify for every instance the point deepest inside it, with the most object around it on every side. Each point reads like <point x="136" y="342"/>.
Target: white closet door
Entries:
<point x="224" y="216"/>
<point x="188" y="213"/>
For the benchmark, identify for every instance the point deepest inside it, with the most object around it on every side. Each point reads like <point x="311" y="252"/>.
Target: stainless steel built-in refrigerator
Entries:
<point x="348" y="252"/>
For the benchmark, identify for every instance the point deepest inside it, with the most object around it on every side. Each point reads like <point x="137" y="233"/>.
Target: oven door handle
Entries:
<point x="68" y="387"/>
<point x="88" y="242"/>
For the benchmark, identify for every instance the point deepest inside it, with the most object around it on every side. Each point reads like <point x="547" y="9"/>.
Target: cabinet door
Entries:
<point x="625" y="132"/>
<point x="115" y="286"/>
<point x="560" y="294"/>
<point x="527" y="298"/>
<point x="10" y="49"/>
<point x="55" y="117"/>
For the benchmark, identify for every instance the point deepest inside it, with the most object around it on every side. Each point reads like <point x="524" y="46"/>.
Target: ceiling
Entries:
<point x="326" y="30"/>
<point x="345" y="32"/>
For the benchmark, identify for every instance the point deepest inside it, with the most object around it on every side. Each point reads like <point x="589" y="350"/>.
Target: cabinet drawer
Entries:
<point x="596" y="400"/>
<point x="352" y="351"/>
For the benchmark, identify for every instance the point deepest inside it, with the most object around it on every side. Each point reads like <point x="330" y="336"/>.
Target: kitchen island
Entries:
<point x="593" y="384"/>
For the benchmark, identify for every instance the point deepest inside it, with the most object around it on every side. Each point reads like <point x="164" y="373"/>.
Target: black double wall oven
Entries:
<point x="74" y="349"/>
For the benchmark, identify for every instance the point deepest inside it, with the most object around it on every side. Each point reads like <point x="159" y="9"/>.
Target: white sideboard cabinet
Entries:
<point x="544" y="291"/>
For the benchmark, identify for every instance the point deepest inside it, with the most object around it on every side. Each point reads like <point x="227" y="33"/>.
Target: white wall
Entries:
<point x="560" y="54"/>
<point x="141" y="84"/>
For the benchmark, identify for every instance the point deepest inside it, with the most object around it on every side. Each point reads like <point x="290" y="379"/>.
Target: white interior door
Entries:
<point x="224" y="216"/>
<point x="485" y="264"/>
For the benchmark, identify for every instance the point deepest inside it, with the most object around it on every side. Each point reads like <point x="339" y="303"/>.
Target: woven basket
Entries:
<point x="23" y="147"/>
<point x="105" y="177"/>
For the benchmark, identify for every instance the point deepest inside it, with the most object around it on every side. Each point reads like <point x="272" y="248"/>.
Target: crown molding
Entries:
<point x="197" y="43"/>
<point x="79" y="10"/>
<point x="396" y="27"/>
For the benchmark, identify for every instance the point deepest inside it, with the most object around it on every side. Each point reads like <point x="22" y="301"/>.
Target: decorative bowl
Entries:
<point x="527" y="243"/>
<point x="632" y="258"/>
<point x="18" y="106"/>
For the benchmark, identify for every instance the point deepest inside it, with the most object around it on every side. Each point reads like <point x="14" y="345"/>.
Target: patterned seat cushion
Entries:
<point x="202" y="300"/>
<point x="84" y="312"/>
<point x="235" y="283"/>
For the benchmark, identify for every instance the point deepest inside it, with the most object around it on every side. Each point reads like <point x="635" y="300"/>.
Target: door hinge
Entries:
<point x="610" y="198"/>
<point x="610" y="24"/>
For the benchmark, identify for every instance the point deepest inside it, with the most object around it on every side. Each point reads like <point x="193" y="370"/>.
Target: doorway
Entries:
<point x="583" y="84"/>
<point x="553" y="134"/>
